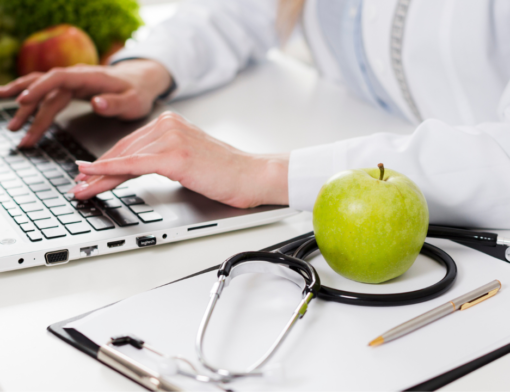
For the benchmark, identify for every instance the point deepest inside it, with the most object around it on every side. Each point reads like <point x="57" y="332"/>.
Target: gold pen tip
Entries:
<point x="377" y="341"/>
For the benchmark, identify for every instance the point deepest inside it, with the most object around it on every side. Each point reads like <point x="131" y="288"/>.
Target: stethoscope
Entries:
<point x="288" y="260"/>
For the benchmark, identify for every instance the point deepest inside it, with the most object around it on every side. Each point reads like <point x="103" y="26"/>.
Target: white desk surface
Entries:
<point x="278" y="106"/>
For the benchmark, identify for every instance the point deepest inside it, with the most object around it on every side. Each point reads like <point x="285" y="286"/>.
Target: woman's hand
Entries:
<point x="172" y="147"/>
<point x="126" y="90"/>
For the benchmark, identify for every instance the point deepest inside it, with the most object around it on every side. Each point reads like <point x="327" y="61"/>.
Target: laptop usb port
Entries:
<point x="146" y="240"/>
<point x="116" y="244"/>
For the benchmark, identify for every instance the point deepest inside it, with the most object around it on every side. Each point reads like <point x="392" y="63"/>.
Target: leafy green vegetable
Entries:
<point x="106" y="21"/>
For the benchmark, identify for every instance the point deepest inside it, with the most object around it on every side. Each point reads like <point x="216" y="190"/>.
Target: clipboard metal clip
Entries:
<point x="143" y="375"/>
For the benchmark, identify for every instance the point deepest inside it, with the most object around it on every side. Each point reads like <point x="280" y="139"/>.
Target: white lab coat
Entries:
<point x="456" y="56"/>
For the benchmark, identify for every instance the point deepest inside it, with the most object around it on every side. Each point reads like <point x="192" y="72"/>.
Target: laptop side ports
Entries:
<point x="115" y="244"/>
<point x="57" y="257"/>
<point x="147" y="240"/>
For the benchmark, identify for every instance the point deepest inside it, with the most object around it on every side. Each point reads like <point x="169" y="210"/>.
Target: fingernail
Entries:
<point x="79" y="188"/>
<point x="100" y="103"/>
<point x="22" y="95"/>
<point x="81" y="177"/>
<point x="83" y="163"/>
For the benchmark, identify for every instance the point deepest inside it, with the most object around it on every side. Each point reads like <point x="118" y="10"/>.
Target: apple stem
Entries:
<point x="381" y="169"/>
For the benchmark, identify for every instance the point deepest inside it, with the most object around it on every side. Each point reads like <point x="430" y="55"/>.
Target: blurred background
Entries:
<point x="37" y="35"/>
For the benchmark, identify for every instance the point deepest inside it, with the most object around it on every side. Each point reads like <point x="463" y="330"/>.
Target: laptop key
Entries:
<point x="7" y="176"/>
<point x="64" y="188"/>
<point x="24" y="199"/>
<point x="11" y="184"/>
<point x="65" y="210"/>
<point x="21" y="165"/>
<point x="46" y="223"/>
<point x="31" y="207"/>
<point x="101" y="223"/>
<point x="13" y="158"/>
<point x="37" y="215"/>
<point x="15" y="212"/>
<point x="18" y="191"/>
<point x="123" y="217"/>
<point x="58" y="202"/>
<point x="29" y="226"/>
<point x="50" y="174"/>
<point x="27" y="173"/>
<point x="34" y="236"/>
<point x="9" y="205"/>
<point x="69" y="166"/>
<point x="45" y="166"/>
<point x="141" y="208"/>
<point x="21" y="219"/>
<point x="4" y="198"/>
<point x="38" y="160"/>
<point x="60" y="181"/>
<point x="32" y="152"/>
<point x="105" y="196"/>
<point x="71" y="218"/>
<point x="88" y="212"/>
<point x="55" y="232"/>
<point x="126" y="192"/>
<point x="148" y="217"/>
<point x="106" y="204"/>
<point x="78" y="228"/>
<point x="38" y="179"/>
<point x="82" y="204"/>
<point x="131" y="201"/>
<point x="40" y="187"/>
<point x="45" y="195"/>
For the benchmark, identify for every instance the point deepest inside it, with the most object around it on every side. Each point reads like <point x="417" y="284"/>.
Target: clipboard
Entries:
<point x="82" y="343"/>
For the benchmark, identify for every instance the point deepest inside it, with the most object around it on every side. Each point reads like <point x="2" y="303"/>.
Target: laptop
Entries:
<point x="41" y="223"/>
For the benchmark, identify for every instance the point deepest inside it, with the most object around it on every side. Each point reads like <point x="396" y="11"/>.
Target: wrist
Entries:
<point x="149" y="77"/>
<point x="273" y="179"/>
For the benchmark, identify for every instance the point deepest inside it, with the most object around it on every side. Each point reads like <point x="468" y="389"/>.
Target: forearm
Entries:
<point x="207" y="42"/>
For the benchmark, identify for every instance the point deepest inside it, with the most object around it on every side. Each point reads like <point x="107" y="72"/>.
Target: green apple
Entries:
<point x="370" y="224"/>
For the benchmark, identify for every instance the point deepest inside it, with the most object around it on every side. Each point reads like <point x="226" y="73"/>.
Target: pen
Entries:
<point x="461" y="303"/>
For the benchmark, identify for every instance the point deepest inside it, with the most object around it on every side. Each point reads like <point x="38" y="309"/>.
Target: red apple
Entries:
<point x="57" y="46"/>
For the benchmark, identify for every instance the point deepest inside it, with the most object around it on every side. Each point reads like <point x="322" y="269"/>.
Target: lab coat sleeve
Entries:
<point x="464" y="172"/>
<point x="207" y="42"/>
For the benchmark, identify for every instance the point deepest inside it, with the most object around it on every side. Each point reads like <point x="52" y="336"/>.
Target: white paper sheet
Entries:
<point x="328" y="349"/>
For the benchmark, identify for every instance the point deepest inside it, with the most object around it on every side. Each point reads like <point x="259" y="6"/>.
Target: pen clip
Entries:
<point x="468" y="305"/>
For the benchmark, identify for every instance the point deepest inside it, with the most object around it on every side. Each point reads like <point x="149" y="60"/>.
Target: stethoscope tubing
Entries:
<point x="305" y="246"/>
<point x="395" y="299"/>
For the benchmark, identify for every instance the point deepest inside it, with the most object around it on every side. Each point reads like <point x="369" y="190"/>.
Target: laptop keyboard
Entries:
<point x="34" y="185"/>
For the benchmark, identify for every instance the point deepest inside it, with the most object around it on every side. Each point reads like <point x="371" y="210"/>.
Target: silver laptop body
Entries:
<point x="40" y="224"/>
